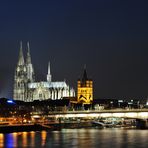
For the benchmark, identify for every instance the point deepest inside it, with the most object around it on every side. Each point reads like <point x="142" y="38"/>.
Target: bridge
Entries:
<point x="116" y="113"/>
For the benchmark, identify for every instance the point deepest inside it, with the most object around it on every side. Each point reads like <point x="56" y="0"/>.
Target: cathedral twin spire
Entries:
<point x="21" y="62"/>
<point x="21" y="56"/>
<point x="25" y="66"/>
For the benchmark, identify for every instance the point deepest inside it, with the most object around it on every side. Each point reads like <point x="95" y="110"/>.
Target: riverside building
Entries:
<point x="85" y="89"/>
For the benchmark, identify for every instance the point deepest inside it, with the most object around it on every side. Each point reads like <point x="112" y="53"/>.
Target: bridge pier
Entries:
<point x="142" y="123"/>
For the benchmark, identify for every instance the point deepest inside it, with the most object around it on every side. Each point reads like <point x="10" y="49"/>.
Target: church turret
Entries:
<point x="49" y="75"/>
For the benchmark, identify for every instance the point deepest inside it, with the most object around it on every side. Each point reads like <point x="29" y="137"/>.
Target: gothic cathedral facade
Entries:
<point x="27" y="89"/>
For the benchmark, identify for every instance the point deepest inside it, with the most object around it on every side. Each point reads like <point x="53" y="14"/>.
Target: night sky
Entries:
<point x="109" y="36"/>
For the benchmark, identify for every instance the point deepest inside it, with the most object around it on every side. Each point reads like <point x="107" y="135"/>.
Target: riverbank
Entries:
<point x="23" y="127"/>
<point x="39" y="127"/>
<point x="56" y="126"/>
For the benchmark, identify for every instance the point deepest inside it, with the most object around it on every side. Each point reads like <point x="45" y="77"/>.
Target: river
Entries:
<point x="78" y="138"/>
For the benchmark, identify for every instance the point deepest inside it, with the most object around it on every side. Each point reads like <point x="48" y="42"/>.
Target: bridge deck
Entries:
<point x="133" y="113"/>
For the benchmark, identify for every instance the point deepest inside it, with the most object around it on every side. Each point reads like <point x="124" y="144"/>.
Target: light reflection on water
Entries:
<point x="43" y="138"/>
<point x="32" y="133"/>
<point x="77" y="138"/>
<point x="24" y="138"/>
<point x="1" y="140"/>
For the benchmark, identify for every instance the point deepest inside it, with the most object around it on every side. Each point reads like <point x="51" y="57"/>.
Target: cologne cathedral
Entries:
<point x="27" y="89"/>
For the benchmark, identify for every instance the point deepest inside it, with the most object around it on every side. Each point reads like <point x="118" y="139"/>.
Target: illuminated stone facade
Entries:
<point x="85" y="89"/>
<point x="27" y="89"/>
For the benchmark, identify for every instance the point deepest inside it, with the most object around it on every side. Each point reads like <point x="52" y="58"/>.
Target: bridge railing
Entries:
<point x="100" y="111"/>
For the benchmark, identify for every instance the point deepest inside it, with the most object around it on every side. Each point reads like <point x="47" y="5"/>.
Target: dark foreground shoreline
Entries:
<point x="49" y="127"/>
<point x="21" y="128"/>
<point x="40" y="127"/>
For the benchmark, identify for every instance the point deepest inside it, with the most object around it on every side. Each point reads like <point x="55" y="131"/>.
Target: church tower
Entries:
<point x="20" y="77"/>
<point x="84" y="89"/>
<point x="49" y="75"/>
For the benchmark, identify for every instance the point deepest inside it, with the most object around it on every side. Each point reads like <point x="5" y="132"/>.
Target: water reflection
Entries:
<point x="1" y="140"/>
<point x="43" y="135"/>
<point x="77" y="138"/>
<point x="32" y="138"/>
<point x="24" y="138"/>
<point x="9" y="142"/>
<point x="14" y="136"/>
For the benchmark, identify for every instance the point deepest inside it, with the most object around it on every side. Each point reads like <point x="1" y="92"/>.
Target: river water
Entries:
<point x="78" y="138"/>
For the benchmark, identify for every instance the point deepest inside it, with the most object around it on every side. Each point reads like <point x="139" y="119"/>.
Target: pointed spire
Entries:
<point x="21" y="56"/>
<point x="49" y="68"/>
<point x="28" y="59"/>
<point x="84" y="78"/>
<point x="49" y="74"/>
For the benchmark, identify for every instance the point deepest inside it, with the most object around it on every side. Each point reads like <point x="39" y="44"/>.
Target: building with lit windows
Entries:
<point x="85" y="89"/>
<point x="27" y="89"/>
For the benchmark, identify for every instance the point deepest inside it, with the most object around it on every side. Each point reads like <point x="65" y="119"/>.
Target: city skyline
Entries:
<point x="110" y="37"/>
